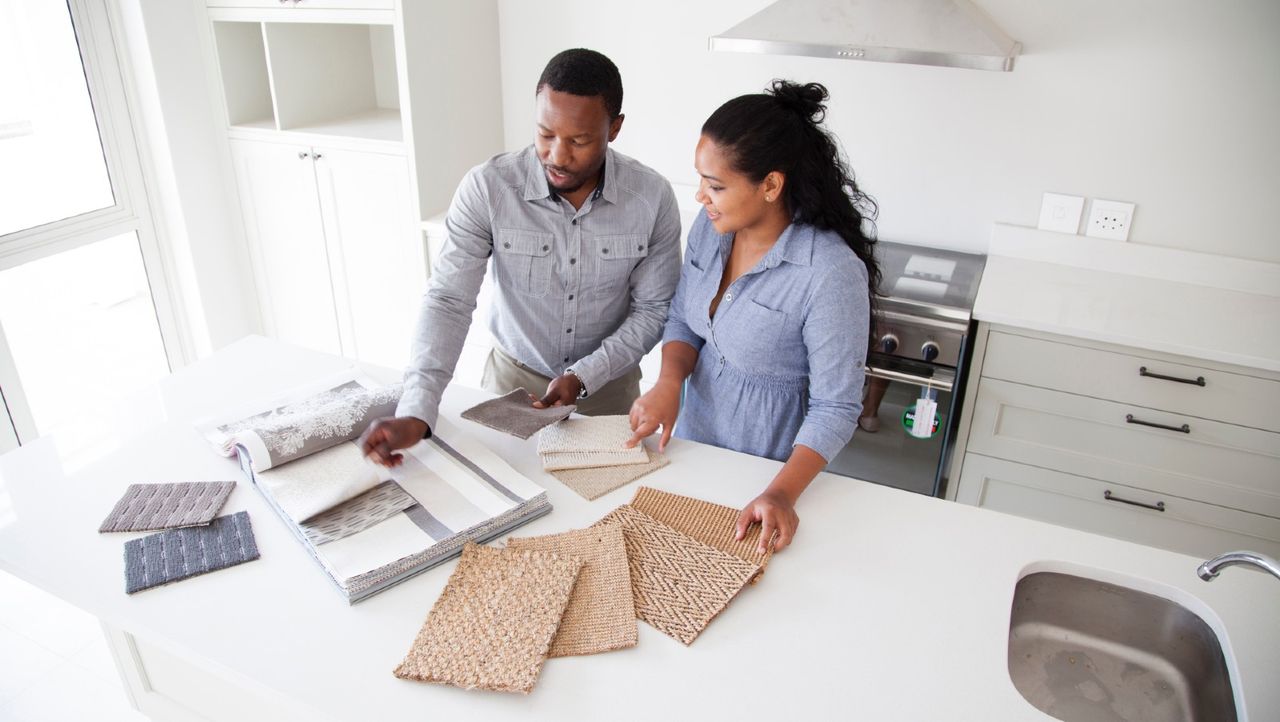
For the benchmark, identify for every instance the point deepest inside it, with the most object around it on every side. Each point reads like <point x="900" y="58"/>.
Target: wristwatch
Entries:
<point x="583" y="393"/>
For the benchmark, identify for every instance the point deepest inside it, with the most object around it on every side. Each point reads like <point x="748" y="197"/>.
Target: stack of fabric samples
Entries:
<point x="193" y="540"/>
<point x="669" y="560"/>
<point x="589" y="454"/>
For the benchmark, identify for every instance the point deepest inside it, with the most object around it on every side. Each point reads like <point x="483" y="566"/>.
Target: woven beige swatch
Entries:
<point x="678" y="584"/>
<point x="588" y="433"/>
<point x="494" y="621"/>
<point x="561" y="460"/>
<point x="592" y="484"/>
<point x="711" y="524"/>
<point x="601" y="616"/>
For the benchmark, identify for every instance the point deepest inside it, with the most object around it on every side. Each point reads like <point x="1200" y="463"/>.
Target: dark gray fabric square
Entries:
<point x="177" y="554"/>
<point x="512" y="414"/>
<point x="148" y="507"/>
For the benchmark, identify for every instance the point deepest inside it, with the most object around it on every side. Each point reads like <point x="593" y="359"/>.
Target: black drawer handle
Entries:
<point x="1158" y="506"/>
<point x="1185" y="429"/>
<point x="1197" y="381"/>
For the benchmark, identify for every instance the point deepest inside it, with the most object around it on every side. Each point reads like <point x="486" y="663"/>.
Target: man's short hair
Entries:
<point x="585" y="72"/>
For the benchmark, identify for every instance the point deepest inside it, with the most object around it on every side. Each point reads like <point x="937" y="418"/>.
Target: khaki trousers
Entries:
<point x="503" y="374"/>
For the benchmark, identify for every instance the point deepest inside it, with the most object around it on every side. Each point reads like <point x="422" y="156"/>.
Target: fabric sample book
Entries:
<point x="493" y="624"/>
<point x="149" y="507"/>
<point x="513" y="414"/>
<point x="170" y="556"/>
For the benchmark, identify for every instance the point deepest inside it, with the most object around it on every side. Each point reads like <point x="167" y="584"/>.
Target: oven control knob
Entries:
<point x="929" y="351"/>
<point x="888" y="343"/>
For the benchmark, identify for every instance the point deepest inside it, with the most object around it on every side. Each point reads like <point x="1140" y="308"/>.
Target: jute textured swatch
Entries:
<point x="493" y="624"/>
<point x="181" y="553"/>
<point x="712" y="524"/>
<point x="593" y="483"/>
<point x="148" y="507"/>
<point x="601" y="615"/>
<point x="512" y="414"/>
<point x="678" y="584"/>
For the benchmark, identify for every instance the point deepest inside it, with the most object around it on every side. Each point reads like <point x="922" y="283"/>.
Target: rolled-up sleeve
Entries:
<point x="449" y="302"/>
<point x="837" y="322"/>
<point x="677" y="328"/>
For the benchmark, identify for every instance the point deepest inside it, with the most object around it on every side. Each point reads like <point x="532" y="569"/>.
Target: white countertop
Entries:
<point x="889" y="606"/>
<point x="1195" y="305"/>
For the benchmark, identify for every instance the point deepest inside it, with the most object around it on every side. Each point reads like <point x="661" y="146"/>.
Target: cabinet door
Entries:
<point x="277" y="185"/>
<point x="375" y="242"/>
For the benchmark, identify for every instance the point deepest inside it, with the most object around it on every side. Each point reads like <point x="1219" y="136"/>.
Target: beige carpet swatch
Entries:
<point x="712" y="524"/>
<point x="561" y="460"/>
<point x="601" y="616"/>
<point x="678" y="584"/>
<point x="587" y="433"/>
<point x="493" y="624"/>
<point x="593" y="483"/>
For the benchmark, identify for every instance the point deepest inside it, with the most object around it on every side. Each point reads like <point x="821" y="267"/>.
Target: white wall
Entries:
<point x="1170" y="104"/>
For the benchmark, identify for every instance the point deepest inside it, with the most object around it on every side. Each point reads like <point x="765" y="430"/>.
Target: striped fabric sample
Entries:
<point x="512" y="414"/>
<point x="678" y="584"/>
<point x="493" y="624"/>
<point x="378" y="504"/>
<point x="712" y="524"/>
<point x="601" y="615"/>
<point x="148" y="507"/>
<point x="180" y="553"/>
<point x="593" y="483"/>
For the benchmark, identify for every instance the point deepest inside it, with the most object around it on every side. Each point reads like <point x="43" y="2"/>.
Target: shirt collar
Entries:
<point x="795" y="245"/>
<point x="536" y="186"/>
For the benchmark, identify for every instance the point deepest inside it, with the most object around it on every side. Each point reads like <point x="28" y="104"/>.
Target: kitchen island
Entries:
<point x="888" y="606"/>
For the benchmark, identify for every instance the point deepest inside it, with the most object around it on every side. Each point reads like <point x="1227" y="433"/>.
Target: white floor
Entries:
<point x="54" y="662"/>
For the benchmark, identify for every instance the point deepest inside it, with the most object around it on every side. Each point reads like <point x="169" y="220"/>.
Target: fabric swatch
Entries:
<point x="305" y="487"/>
<point x="678" y="584"/>
<point x="512" y="414"/>
<point x="601" y="615"/>
<point x="560" y="460"/>
<point x="588" y="433"/>
<point x="375" y="505"/>
<point x="712" y="524"/>
<point x="593" y="483"/>
<point x="177" y="554"/>
<point x="148" y="507"/>
<point x="493" y="624"/>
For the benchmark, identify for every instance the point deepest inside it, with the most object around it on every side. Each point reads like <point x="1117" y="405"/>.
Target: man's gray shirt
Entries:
<point x="586" y="289"/>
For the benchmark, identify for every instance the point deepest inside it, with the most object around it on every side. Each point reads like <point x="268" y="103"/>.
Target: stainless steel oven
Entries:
<point x="920" y="351"/>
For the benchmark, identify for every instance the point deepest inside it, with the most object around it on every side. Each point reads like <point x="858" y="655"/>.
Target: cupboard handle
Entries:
<point x="1158" y="506"/>
<point x="1184" y="429"/>
<point x="1197" y="381"/>
<point x="316" y="156"/>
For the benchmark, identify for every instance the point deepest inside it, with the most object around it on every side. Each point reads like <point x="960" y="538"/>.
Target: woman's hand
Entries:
<point x="658" y="407"/>
<point x="774" y="511"/>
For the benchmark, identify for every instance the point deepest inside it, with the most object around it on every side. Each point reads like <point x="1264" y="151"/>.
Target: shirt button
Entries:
<point x="640" y="248"/>
<point x="546" y="248"/>
<point x="571" y="297"/>
<point x="574" y="221"/>
<point x="566" y="359"/>
<point x="572" y="261"/>
<point x="604" y="250"/>
<point x="728" y="296"/>
<point x="568" y="330"/>
<point x="506" y="245"/>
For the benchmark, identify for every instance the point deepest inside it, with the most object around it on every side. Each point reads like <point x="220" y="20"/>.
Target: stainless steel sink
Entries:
<point x="1084" y="650"/>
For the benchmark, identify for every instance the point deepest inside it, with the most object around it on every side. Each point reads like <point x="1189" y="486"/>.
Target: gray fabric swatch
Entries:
<point x="148" y="507"/>
<point x="375" y="505"/>
<point x="176" y="554"/>
<point x="512" y="414"/>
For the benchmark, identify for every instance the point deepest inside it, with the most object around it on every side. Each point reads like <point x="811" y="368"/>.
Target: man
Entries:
<point x="585" y="247"/>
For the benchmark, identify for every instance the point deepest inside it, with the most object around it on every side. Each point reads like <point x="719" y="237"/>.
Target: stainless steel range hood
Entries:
<point x="952" y="33"/>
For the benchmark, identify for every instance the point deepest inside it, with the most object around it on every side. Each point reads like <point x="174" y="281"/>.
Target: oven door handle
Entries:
<point x="942" y="383"/>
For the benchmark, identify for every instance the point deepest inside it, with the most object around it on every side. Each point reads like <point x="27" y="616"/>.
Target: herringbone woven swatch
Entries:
<point x="593" y="483"/>
<point x="493" y="624"/>
<point x="148" y="507"/>
<point x="709" y="523"/>
<point x="513" y="414"/>
<point x="678" y="584"/>
<point x="601" y="615"/>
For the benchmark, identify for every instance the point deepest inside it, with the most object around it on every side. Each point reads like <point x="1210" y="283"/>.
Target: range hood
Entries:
<point x="951" y="33"/>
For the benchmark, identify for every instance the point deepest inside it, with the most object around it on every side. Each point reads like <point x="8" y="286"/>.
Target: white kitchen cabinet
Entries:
<point x="1150" y="447"/>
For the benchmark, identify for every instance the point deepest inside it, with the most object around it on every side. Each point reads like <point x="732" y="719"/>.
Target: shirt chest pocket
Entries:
<point x="757" y="331"/>
<point x="523" y="260"/>
<point x="616" y="256"/>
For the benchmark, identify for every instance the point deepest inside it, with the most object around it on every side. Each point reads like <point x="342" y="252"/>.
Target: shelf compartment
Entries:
<point x="246" y="86"/>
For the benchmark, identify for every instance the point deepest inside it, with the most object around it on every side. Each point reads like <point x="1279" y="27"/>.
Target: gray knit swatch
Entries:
<point x="176" y="554"/>
<point x="148" y="507"/>
<point x="512" y="414"/>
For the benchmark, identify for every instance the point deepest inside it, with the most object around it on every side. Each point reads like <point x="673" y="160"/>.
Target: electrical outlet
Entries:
<point x="1060" y="213"/>
<point x="1110" y="219"/>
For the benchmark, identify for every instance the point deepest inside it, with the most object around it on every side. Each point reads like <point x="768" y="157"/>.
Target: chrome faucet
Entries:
<point x="1210" y="569"/>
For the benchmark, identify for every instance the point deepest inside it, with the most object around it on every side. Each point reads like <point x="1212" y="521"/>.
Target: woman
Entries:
<point x="771" y="318"/>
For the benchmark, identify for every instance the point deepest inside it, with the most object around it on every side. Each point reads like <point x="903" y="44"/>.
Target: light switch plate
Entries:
<point x="1110" y="219"/>
<point x="1060" y="213"/>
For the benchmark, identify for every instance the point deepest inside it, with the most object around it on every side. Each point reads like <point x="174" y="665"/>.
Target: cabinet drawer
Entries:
<point x="1230" y="397"/>
<point x="1186" y="526"/>
<point x="1233" y="466"/>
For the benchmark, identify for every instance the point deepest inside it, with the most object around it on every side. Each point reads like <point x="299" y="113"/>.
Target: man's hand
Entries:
<point x="385" y="435"/>
<point x="563" y="390"/>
